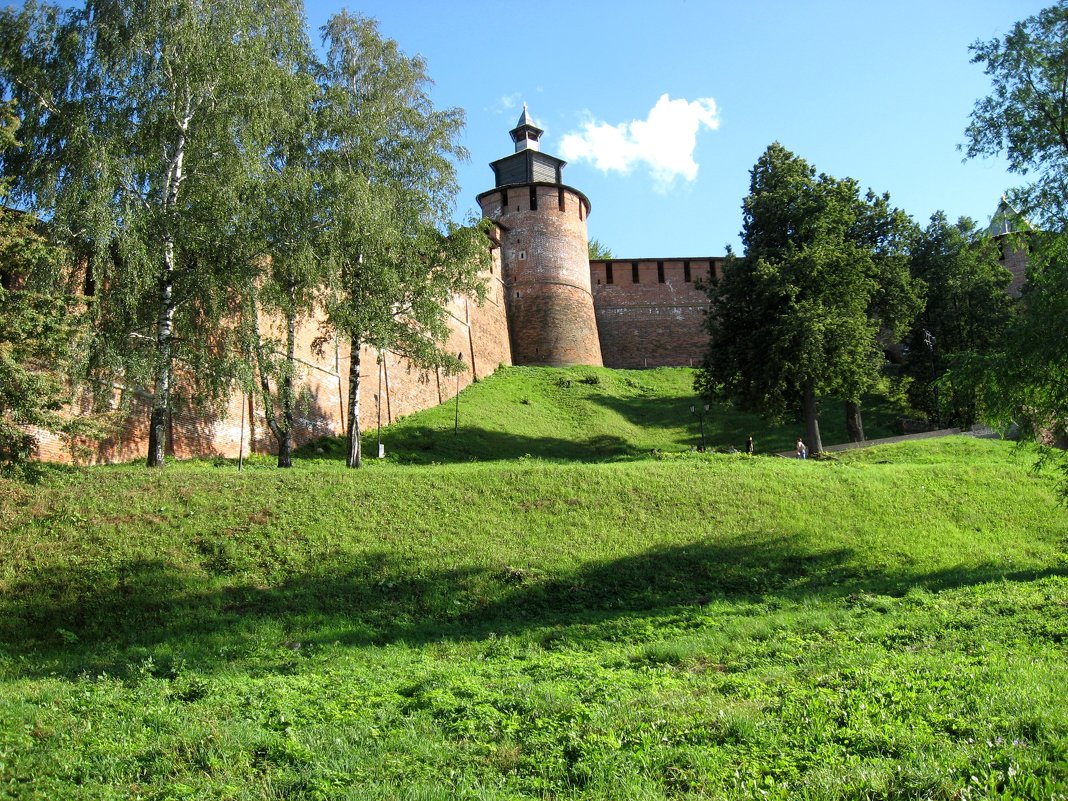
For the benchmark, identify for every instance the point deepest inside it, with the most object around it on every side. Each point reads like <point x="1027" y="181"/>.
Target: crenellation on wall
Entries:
<point x="545" y="274"/>
<point x="650" y="323"/>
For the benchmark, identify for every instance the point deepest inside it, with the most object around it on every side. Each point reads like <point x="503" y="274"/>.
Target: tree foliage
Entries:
<point x="39" y="334"/>
<point x="389" y="165"/>
<point x="1025" y="116"/>
<point x="286" y="210"/>
<point x="802" y="314"/>
<point x="966" y="312"/>
<point x="1025" y="381"/>
<point x="145" y="123"/>
<point x="598" y="250"/>
<point x="39" y="330"/>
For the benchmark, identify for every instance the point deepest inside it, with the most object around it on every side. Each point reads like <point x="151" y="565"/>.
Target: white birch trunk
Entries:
<point x="161" y="400"/>
<point x="355" y="456"/>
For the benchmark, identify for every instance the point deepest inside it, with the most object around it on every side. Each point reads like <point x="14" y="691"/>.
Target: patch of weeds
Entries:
<point x="189" y="687"/>
<point x="519" y="575"/>
<point x="222" y="556"/>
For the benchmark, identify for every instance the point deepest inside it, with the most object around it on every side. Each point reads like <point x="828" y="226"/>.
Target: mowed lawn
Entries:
<point x="889" y="624"/>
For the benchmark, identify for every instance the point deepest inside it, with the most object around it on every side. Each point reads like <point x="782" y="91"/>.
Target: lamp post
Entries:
<point x="456" y="425"/>
<point x="700" y="413"/>
<point x="241" y="442"/>
<point x="378" y="402"/>
<point x="930" y="340"/>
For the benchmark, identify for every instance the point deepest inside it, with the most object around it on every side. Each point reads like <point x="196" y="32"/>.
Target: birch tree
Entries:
<point x="388" y="160"/>
<point x="145" y="123"/>
<point x="290" y="212"/>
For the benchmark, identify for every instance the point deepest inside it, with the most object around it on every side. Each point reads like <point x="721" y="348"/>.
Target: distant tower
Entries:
<point x="544" y="255"/>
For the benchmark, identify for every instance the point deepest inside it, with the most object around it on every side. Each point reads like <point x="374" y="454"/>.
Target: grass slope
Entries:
<point x="888" y="625"/>
<point x="587" y="414"/>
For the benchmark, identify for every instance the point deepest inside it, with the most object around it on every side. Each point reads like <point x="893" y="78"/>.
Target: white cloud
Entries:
<point x="663" y="142"/>
<point x="506" y="103"/>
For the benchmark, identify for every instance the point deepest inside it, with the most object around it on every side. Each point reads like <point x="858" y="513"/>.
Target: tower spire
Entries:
<point x="526" y="134"/>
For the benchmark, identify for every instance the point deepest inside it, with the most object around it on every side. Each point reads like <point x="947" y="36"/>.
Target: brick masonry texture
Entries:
<point x="546" y="273"/>
<point x="1015" y="260"/>
<point x="479" y="332"/>
<point x="552" y="307"/>
<point x="657" y="321"/>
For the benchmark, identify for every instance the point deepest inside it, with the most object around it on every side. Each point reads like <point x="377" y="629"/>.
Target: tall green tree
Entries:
<point x="885" y="235"/>
<point x="800" y="315"/>
<point x="287" y="213"/>
<point x="145" y="123"/>
<point x="388" y="165"/>
<point x="1026" y="381"/>
<point x="1025" y="117"/>
<point x="966" y="312"/>
<point x="40" y="328"/>
<point x="288" y="286"/>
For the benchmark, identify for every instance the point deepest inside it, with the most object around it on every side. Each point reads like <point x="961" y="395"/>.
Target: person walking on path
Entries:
<point x="802" y="451"/>
<point x="749" y="445"/>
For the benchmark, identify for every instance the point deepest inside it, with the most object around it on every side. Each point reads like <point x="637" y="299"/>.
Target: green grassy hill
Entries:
<point x="588" y="414"/>
<point x="889" y="624"/>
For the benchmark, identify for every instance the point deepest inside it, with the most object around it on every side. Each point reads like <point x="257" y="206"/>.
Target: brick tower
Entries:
<point x="544" y="255"/>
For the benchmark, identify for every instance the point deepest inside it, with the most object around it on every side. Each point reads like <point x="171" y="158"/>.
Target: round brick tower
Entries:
<point x="544" y="255"/>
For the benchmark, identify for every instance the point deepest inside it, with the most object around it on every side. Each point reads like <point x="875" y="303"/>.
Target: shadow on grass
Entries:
<point x="428" y="445"/>
<point x="723" y="427"/>
<point x="78" y="620"/>
<point x="726" y="427"/>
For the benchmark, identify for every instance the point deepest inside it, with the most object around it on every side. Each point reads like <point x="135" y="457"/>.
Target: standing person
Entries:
<point x="802" y="451"/>
<point x="749" y="445"/>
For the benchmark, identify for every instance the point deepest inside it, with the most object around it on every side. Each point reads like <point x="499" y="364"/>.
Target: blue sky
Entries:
<point x="662" y="108"/>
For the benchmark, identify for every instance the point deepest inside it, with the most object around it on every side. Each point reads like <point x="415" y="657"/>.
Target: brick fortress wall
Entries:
<point x="546" y="273"/>
<point x="650" y="312"/>
<point x="480" y="333"/>
<point x="1015" y="259"/>
<point x="656" y="320"/>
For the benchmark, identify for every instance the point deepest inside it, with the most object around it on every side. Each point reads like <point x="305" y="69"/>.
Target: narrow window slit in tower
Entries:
<point x="560" y="199"/>
<point x="660" y="272"/>
<point x="686" y="276"/>
<point x="89" y="285"/>
<point x="533" y="198"/>
<point x="634" y="272"/>
<point x="608" y="273"/>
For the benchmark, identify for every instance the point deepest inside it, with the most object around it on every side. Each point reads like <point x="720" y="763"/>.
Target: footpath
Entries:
<point x="980" y="432"/>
